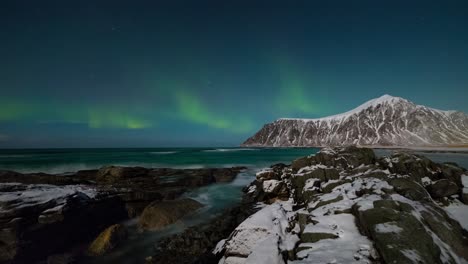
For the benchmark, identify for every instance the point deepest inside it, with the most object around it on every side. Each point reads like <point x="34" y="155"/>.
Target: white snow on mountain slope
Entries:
<point x="384" y="121"/>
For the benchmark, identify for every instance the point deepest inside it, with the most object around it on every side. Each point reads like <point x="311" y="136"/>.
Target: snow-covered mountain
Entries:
<point x="384" y="121"/>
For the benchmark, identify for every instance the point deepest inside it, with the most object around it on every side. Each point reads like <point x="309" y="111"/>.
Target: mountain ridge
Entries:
<point x="383" y="121"/>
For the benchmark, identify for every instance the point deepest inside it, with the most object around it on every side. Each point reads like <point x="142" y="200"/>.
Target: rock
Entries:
<point x="395" y="230"/>
<point x="37" y="220"/>
<point x="107" y="240"/>
<point x="266" y="175"/>
<point x="301" y="163"/>
<point x="49" y="214"/>
<point x="62" y="259"/>
<point x="348" y="206"/>
<point x="273" y="190"/>
<point x="114" y="173"/>
<point x="278" y="167"/>
<point x="357" y="156"/>
<point x="442" y="188"/>
<point x="409" y="189"/>
<point x="159" y="214"/>
<point x="314" y="237"/>
<point x="225" y="175"/>
<point x="195" y="244"/>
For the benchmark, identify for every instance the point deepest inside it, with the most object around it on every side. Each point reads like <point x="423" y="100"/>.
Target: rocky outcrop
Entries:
<point x="40" y="220"/>
<point x="384" y="121"/>
<point x="195" y="244"/>
<point x="345" y="205"/>
<point x="43" y="215"/>
<point x="159" y="214"/>
<point x="107" y="240"/>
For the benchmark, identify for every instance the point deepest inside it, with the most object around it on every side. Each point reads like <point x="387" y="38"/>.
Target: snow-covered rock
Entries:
<point x="367" y="213"/>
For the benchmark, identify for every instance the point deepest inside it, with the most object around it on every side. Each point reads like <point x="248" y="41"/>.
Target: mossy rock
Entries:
<point x="409" y="189"/>
<point x="442" y="188"/>
<point x="107" y="240"/>
<point x="159" y="214"/>
<point x="304" y="219"/>
<point x="332" y="174"/>
<point x="301" y="163"/>
<point x="412" y="235"/>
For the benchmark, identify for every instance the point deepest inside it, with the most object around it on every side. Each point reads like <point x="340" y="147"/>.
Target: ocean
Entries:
<point x="216" y="197"/>
<point x="71" y="160"/>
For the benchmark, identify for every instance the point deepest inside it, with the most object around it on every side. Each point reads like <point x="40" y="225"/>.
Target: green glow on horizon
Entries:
<point x="12" y="111"/>
<point x="70" y="114"/>
<point x="114" y="119"/>
<point x="191" y="109"/>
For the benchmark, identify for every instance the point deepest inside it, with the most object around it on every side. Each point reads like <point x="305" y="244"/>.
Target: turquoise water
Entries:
<point x="70" y="160"/>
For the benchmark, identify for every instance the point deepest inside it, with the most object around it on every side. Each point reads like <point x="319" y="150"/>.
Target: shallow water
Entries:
<point x="216" y="198"/>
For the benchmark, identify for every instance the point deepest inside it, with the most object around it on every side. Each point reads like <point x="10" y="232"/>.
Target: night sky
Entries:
<point x="211" y="73"/>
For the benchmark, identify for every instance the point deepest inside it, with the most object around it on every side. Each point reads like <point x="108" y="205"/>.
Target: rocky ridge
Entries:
<point x="384" y="121"/>
<point x="345" y="205"/>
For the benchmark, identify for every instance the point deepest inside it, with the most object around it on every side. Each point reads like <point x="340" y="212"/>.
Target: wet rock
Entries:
<point x="159" y="214"/>
<point x="111" y="174"/>
<point x="41" y="220"/>
<point x="32" y="228"/>
<point x="196" y="244"/>
<point x="107" y="240"/>
<point x="226" y="175"/>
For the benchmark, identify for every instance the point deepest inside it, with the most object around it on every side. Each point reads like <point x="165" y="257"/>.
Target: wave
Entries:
<point x="15" y="156"/>
<point x="163" y="152"/>
<point x="57" y="169"/>
<point x="228" y="150"/>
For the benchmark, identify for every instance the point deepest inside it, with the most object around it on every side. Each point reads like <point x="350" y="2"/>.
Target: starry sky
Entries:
<point x="211" y="73"/>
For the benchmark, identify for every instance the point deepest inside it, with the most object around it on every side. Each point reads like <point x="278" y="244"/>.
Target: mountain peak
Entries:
<point x="384" y="121"/>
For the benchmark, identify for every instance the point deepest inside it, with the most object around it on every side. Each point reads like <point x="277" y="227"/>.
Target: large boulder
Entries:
<point x="396" y="233"/>
<point x="107" y="240"/>
<point x="159" y="214"/>
<point x="409" y="189"/>
<point x="442" y="188"/>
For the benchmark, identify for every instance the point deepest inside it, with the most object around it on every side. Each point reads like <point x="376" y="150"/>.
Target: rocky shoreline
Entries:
<point x="53" y="218"/>
<point x="342" y="205"/>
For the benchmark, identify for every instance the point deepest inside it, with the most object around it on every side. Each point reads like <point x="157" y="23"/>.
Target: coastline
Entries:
<point x="438" y="149"/>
